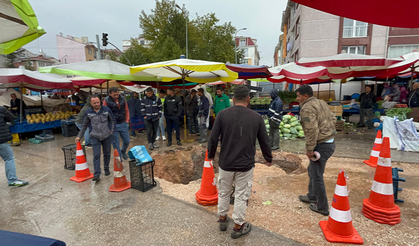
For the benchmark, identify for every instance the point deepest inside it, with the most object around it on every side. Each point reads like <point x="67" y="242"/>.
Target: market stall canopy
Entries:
<point x="82" y="81"/>
<point x="100" y="69"/>
<point x="402" y="13"/>
<point x="177" y="84"/>
<point x="235" y="82"/>
<point x="345" y="65"/>
<point x="18" y="25"/>
<point x="20" y="77"/>
<point x="249" y="71"/>
<point x="191" y="70"/>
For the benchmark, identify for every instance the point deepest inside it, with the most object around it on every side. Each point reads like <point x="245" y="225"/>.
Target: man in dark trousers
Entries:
<point x="134" y="107"/>
<point x="192" y="110"/>
<point x="413" y="102"/>
<point x="318" y="123"/>
<point x="203" y="115"/>
<point x="239" y="128"/>
<point x="366" y="101"/>
<point x="15" y="105"/>
<point x="6" y="151"/>
<point x="172" y="111"/>
<point x="100" y="122"/>
<point x="275" y="118"/>
<point x="151" y="108"/>
<point x="120" y="111"/>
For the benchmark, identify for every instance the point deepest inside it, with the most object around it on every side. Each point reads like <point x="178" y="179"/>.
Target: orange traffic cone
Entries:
<point x="208" y="194"/>
<point x="380" y="205"/>
<point x="120" y="182"/>
<point x="339" y="228"/>
<point x="375" y="151"/>
<point x="82" y="170"/>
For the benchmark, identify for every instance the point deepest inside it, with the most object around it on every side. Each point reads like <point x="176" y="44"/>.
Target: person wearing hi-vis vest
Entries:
<point x="221" y="101"/>
<point x="318" y="123"/>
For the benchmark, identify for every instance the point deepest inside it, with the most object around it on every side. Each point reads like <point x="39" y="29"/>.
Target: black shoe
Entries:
<point x="223" y="224"/>
<point x="202" y="140"/>
<point x="107" y="173"/>
<point x="150" y="146"/>
<point x="314" y="208"/>
<point x="124" y="156"/>
<point x="275" y="148"/>
<point x="169" y="143"/>
<point x="304" y="198"/>
<point x="246" y="228"/>
<point x="96" y="178"/>
<point x="179" y="143"/>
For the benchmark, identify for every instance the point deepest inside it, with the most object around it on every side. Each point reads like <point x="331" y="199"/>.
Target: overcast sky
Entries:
<point x="119" y="18"/>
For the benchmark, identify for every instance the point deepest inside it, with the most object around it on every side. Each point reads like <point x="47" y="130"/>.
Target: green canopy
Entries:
<point x="18" y="25"/>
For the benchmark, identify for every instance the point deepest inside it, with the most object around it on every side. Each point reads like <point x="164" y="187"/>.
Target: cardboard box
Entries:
<point x="337" y="110"/>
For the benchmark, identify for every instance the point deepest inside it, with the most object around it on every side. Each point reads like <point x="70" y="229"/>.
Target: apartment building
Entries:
<point x="126" y="44"/>
<point x="73" y="49"/>
<point x="250" y="50"/>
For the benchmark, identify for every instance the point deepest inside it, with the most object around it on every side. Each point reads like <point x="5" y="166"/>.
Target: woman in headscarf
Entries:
<point x="403" y="95"/>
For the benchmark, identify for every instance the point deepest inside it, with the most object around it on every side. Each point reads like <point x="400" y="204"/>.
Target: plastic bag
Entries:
<point x="389" y="130"/>
<point x="408" y="137"/>
<point x="140" y="154"/>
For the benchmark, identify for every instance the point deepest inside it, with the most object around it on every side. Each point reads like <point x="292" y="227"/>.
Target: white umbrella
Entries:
<point x="101" y="69"/>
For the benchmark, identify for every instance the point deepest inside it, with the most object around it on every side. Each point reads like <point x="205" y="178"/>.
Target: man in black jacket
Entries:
<point x="413" y="102"/>
<point x="367" y="101"/>
<point x="15" y="105"/>
<point x="151" y="109"/>
<point x="192" y="110"/>
<point x="6" y="151"/>
<point x="172" y="111"/>
<point x="275" y="118"/>
<point x="120" y="111"/>
<point x="239" y="128"/>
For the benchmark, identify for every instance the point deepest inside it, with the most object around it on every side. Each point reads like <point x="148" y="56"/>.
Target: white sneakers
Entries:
<point x="164" y="138"/>
<point x="158" y="138"/>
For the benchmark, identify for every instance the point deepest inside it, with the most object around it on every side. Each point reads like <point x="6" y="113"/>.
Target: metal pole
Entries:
<point x="329" y="89"/>
<point x="99" y="54"/>
<point x="411" y="77"/>
<point x="42" y="101"/>
<point x="186" y="19"/>
<point x="21" y="103"/>
<point x="340" y="92"/>
<point x="235" y="46"/>
<point x="318" y="89"/>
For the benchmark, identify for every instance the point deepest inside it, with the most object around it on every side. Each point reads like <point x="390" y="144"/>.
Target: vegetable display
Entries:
<point x="400" y="113"/>
<point x="289" y="128"/>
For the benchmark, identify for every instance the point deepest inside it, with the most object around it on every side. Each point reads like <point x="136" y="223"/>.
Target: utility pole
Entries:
<point x="185" y="14"/>
<point x="99" y="54"/>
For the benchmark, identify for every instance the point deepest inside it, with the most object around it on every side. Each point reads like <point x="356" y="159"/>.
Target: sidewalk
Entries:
<point x="88" y="214"/>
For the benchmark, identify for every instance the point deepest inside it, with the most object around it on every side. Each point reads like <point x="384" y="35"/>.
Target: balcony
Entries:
<point x="355" y="31"/>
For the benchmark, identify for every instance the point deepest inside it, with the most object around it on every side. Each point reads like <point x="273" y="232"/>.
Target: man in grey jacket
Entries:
<point x="101" y="123"/>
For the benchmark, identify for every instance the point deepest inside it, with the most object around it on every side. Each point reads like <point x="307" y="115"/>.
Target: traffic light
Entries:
<point x="104" y="39"/>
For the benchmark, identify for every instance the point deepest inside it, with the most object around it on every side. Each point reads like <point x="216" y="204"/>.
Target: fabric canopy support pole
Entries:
<point x="340" y="92"/>
<point x="375" y="87"/>
<point x="411" y="77"/>
<point x="21" y="103"/>
<point x="329" y="89"/>
<point x="318" y="90"/>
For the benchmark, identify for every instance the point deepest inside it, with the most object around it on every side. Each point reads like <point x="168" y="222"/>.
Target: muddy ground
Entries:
<point x="291" y="218"/>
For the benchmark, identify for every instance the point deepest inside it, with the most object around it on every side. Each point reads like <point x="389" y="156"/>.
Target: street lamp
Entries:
<point x="186" y="20"/>
<point x="235" y="42"/>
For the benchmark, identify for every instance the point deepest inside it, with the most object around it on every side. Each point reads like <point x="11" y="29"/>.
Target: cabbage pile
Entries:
<point x="290" y="128"/>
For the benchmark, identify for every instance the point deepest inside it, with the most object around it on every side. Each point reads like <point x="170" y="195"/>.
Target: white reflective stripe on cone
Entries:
<point x="382" y="188"/>
<point x="79" y="152"/>
<point x="81" y="166"/>
<point x="118" y="174"/>
<point x="341" y="190"/>
<point x="378" y="141"/>
<point x="375" y="153"/>
<point x="384" y="162"/>
<point x="340" y="216"/>
<point x="207" y="164"/>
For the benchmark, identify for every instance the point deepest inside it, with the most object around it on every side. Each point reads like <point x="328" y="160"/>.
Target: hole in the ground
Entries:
<point x="185" y="164"/>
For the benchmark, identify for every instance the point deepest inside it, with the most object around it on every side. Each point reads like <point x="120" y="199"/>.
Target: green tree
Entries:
<point x="136" y="54"/>
<point x="165" y="27"/>
<point x="13" y="57"/>
<point x="113" y="55"/>
<point x="29" y="65"/>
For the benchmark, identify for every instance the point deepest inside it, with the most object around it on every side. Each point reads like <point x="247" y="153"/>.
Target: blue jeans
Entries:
<point x="106" y="144"/>
<point x="7" y="154"/>
<point x="121" y="130"/>
<point x="87" y="140"/>
<point x="161" y="127"/>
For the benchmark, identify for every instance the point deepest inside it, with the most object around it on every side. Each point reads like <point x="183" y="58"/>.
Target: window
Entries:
<point x="245" y="61"/>
<point x="297" y="29"/>
<point x="90" y="51"/>
<point x="354" y="29"/>
<point x="360" y="50"/>
<point x="242" y="42"/>
<point x="142" y="42"/>
<point x="398" y="50"/>
<point x="245" y="52"/>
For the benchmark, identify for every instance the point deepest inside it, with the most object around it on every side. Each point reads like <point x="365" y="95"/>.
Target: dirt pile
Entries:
<point x="291" y="164"/>
<point x="182" y="164"/>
